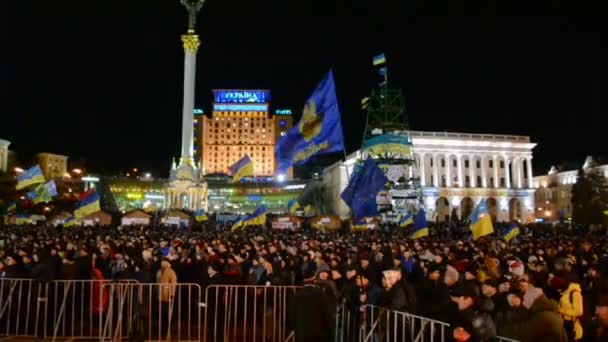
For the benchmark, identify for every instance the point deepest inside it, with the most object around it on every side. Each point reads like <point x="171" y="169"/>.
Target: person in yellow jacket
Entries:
<point x="571" y="308"/>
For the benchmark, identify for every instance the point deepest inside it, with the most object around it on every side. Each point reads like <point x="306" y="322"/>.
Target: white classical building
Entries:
<point x="554" y="190"/>
<point x="456" y="171"/>
<point x="4" y="144"/>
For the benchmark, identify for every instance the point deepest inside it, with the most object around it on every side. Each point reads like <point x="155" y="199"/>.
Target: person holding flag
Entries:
<point x="89" y="204"/>
<point x="29" y="177"/>
<point x="293" y="206"/>
<point x="481" y="221"/>
<point x="363" y="187"/>
<point x="406" y="220"/>
<point x="241" y="169"/>
<point x="200" y="215"/>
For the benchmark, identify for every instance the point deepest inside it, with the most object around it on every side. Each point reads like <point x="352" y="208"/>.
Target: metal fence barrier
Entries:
<point x="153" y="312"/>
<point x="247" y="313"/>
<point x="22" y="308"/>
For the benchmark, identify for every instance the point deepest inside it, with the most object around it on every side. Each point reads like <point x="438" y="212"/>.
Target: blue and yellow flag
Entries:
<point x="242" y="168"/>
<point x="22" y="219"/>
<point x="363" y="187"/>
<point x="511" y="232"/>
<point x="11" y="207"/>
<point x="319" y="131"/>
<point x="406" y="220"/>
<point x="200" y="215"/>
<point x="481" y="221"/>
<point x="71" y="222"/>
<point x="89" y="204"/>
<point x="29" y="177"/>
<point x="236" y="225"/>
<point x="380" y="59"/>
<point x="43" y="193"/>
<point x="421" y="226"/>
<point x="293" y="205"/>
<point x="257" y="218"/>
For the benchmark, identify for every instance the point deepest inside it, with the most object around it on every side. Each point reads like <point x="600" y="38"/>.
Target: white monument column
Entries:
<point x="191" y="44"/>
<point x="472" y="168"/>
<point x="495" y="167"/>
<point x="435" y="170"/>
<point x="507" y="172"/>
<point x="529" y="167"/>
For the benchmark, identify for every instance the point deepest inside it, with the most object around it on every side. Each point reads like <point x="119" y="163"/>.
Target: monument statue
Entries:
<point x="193" y="7"/>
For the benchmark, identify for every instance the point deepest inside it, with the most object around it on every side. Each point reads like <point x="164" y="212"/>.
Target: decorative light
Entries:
<point x="547" y="213"/>
<point x="18" y="169"/>
<point x="77" y="171"/>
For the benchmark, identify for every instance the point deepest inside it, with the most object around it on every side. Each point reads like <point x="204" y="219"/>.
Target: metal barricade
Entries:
<point x="153" y="311"/>
<point x="247" y="313"/>
<point x="379" y="324"/>
<point x="22" y="307"/>
<point x="78" y="307"/>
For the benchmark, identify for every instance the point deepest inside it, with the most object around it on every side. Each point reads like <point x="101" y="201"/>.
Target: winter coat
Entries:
<point x="571" y="308"/>
<point x="311" y="315"/>
<point x="165" y="277"/>
<point x="544" y="323"/>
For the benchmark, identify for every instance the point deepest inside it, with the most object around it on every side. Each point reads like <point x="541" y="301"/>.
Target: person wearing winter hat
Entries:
<point x="479" y="325"/>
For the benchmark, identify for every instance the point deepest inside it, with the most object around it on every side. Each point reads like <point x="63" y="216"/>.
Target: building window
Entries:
<point x="491" y="163"/>
<point x="491" y="182"/>
<point x="443" y="181"/>
<point x="466" y="164"/>
<point x="479" y="185"/>
<point x="478" y="164"/>
<point x="502" y="182"/>
<point x="432" y="180"/>
<point x="442" y="162"/>
<point x="454" y="163"/>
<point x="431" y="162"/>
<point x="467" y="181"/>
<point x="502" y="164"/>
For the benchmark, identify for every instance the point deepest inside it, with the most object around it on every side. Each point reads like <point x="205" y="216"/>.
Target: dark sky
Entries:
<point x="102" y="80"/>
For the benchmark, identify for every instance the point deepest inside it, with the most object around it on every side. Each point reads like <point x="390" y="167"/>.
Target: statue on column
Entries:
<point x="193" y="7"/>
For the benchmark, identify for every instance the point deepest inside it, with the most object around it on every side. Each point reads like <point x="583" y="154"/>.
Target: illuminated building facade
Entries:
<point x="554" y="190"/>
<point x="130" y="194"/>
<point x="240" y="125"/>
<point x="197" y="135"/>
<point x="52" y="165"/>
<point x="456" y="171"/>
<point x="4" y="144"/>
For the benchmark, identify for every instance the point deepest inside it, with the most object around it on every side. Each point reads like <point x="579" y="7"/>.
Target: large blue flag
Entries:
<point x="319" y="130"/>
<point x="421" y="226"/>
<point x="360" y="194"/>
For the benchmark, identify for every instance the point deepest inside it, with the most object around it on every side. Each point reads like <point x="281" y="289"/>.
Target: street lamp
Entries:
<point x="18" y="169"/>
<point x="77" y="171"/>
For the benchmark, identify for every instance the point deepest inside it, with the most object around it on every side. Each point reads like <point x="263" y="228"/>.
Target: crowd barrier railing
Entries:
<point x="247" y="313"/>
<point x="154" y="312"/>
<point x="22" y="307"/>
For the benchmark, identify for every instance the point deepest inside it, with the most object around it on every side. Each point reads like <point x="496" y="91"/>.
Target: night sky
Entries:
<point x="102" y="80"/>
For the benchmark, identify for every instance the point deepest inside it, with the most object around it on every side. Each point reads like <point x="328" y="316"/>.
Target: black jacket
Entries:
<point x="311" y="315"/>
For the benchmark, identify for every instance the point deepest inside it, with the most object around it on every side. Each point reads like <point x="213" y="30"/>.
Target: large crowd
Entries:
<point x="550" y="283"/>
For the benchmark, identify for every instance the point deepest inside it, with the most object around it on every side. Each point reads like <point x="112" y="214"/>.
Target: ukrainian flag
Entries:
<point x="200" y="215"/>
<point x="481" y="221"/>
<point x="360" y="225"/>
<point x="257" y="218"/>
<point x="421" y="226"/>
<point x="238" y="224"/>
<point x="309" y="210"/>
<point x="70" y="222"/>
<point x="89" y="204"/>
<point x="293" y="205"/>
<point x="11" y="207"/>
<point x="511" y="232"/>
<point x="242" y="168"/>
<point x="365" y="102"/>
<point x="380" y="59"/>
<point x="406" y="220"/>
<point x="29" y="177"/>
<point x="22" y="219"/>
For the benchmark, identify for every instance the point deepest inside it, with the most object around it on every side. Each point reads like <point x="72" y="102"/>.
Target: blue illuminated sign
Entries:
<point x="198" y="111"/>
<point x="241" y="107"/>
<point x="254" y="198"/>
<point x="241" y="96"/>
<point x="283" y="112"/>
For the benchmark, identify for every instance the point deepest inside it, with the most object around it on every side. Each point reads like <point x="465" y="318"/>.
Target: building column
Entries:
<point x="495" y="167"/>
<point x="435" y="170"/>
<point x="459" y="163"/>
<point x="519" y="165"/>
<point x="472" y="169"/>
<point x="448" y="175"/>
<point x="529" y="167"/>
<point x="422" y="170"/>
<point x="507" y="172"/>
<point x="484" y="176"/>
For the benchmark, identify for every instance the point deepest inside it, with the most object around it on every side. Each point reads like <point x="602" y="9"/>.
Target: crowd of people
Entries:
<point x="550" y="283"/>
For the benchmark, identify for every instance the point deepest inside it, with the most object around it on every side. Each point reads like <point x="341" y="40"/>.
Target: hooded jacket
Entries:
<point x="571" y="307"/>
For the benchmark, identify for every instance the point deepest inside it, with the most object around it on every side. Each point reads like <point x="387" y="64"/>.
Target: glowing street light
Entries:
<point x="18" y="169"/>
<point x="148" y="175"/>
<point x="547" y="213"/>
<point x="77" y="171"/>
<point x="281" y="178"/>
